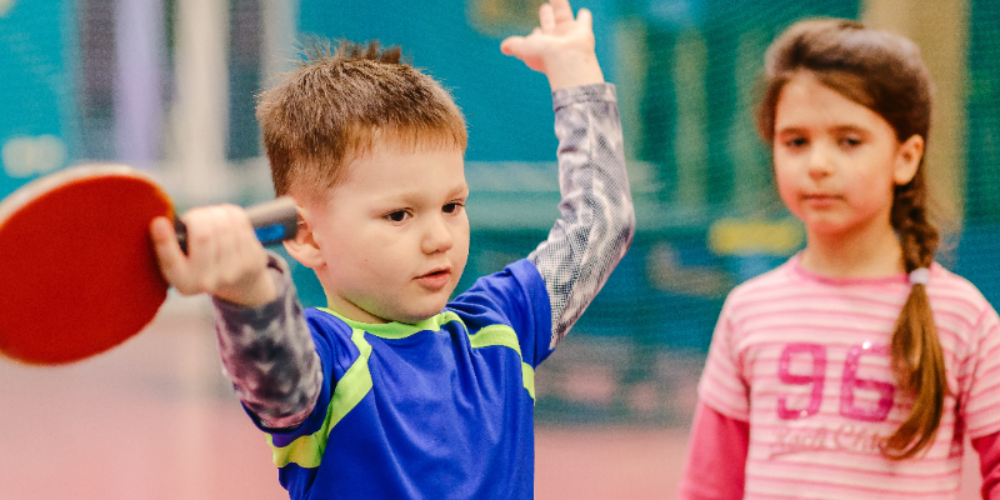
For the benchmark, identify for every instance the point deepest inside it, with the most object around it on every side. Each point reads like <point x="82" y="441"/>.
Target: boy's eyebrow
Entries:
<point x="411" y="196"/>
<point x="462" y="189"/>
<point x="793" y="129"/>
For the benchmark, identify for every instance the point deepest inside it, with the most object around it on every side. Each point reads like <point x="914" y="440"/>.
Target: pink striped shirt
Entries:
<point x="805" y="361"/>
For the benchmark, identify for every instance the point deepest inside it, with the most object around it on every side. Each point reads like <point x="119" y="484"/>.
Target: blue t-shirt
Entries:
<point x="440" y="409"/>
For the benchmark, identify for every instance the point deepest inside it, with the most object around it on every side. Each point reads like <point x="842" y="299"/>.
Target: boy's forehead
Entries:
<point x="397" y="146"/>
<point x="409" y="142"/>
<point x="398" y="166"/>
<point x="399" y="150"/>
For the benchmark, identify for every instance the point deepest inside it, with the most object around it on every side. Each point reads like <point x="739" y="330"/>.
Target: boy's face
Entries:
<point x="393" y="236"/>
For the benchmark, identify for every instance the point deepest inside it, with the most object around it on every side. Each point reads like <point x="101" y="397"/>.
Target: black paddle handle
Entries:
<point x="273" y="221"/>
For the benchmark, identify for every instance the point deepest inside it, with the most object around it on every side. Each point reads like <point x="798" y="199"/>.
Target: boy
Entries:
<point x="392" y="391"/>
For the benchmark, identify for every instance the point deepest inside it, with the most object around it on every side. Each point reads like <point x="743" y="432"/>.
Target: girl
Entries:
<point x="854" y="369"/>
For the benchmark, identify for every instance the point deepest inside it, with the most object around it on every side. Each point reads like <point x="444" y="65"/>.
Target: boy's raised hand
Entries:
<point x="561" y="47"/>
<point x="224" y="257"/>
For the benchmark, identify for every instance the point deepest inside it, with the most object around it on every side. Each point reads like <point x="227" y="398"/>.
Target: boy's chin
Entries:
<point x="414" y="317"/>
<point x="417" y="314"/>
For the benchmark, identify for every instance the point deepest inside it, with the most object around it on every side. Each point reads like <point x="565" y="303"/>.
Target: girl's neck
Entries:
<point x="871" y="252"/>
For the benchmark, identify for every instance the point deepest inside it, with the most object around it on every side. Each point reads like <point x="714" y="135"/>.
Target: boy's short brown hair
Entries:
<point x="340" y="103"/>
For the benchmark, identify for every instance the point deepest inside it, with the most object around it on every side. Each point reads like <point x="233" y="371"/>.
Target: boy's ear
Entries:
<point x="303" y="247"/>
<point x="908" y="160"/>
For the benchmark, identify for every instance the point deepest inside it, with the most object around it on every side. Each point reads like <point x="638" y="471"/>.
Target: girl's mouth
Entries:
<point x="820" y="200"/>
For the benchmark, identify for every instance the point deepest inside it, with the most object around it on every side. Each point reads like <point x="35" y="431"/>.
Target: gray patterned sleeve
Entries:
<point x="598" y="221"/>
<point x="269" y="355"/>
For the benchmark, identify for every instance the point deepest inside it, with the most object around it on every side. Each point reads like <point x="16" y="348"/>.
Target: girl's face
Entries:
<point x="837" y="162"/>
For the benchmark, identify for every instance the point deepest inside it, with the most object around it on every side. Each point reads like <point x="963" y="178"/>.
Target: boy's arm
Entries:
<point x="268" y="354"/>
<point x="598" y="221"/>
<point x="267" y="350"/>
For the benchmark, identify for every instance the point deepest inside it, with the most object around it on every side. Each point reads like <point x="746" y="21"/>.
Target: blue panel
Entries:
<point x="508" y="106"/>
<point x="36" y="98"/>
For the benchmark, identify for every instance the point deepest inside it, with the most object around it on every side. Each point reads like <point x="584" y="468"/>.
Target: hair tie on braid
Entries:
<point x="920" y="276"/>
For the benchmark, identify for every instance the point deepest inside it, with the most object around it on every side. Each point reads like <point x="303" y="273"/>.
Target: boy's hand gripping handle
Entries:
<point x="274" y="221"/>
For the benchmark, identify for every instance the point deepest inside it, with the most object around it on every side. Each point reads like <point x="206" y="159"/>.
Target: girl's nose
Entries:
<point x="820" y="162"/>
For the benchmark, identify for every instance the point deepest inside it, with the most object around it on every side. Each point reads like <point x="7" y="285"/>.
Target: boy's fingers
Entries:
<point x="585" y="18"/>
<point x="246" y="241"/>
<point x="510" y="45"/>
<point x="168" y="252"/>
<point x="206" y="233"/>
<point x="561" y="10"/>
<point x="232" y="223"/>
<point x="546" y="18"/>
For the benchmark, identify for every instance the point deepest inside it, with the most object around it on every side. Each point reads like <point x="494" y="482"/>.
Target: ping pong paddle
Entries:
<point x="78" y="273"/>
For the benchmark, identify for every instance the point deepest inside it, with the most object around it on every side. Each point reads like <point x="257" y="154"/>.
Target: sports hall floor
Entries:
<point x="154" y="419"/>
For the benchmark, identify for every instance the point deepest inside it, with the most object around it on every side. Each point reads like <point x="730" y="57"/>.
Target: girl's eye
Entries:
<point x="397" y="216"/>
<point x="453" y="208"/>
<point x="850" y="142"/>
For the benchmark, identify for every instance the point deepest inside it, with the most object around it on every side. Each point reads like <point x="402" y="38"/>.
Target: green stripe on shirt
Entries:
<point x="307" y="451"/>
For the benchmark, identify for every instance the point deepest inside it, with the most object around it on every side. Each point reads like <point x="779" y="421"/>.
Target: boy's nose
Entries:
<point x="437" y="237"/>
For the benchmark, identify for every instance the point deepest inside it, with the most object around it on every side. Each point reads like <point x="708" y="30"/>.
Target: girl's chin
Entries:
<point x="820" y="223"/>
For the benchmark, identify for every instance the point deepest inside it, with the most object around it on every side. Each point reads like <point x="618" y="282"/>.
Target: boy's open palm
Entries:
<point x="561" y="47"/>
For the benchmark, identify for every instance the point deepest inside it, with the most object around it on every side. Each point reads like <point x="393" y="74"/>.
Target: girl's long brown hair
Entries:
<point x="886" y="74"/>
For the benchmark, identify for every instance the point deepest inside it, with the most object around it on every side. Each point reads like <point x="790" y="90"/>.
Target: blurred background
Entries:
<point x="169" y="87"/>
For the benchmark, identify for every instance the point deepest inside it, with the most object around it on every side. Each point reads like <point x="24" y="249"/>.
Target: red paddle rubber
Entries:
<point x="78" y="274"/>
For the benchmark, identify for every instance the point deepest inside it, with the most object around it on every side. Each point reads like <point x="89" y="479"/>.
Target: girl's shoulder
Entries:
<point x="950" y="291"/>
<point x="791" y="283"/>
<point x="771" y="285"/>
<point x="944" y="280"/>
<point x="785" y="274"/>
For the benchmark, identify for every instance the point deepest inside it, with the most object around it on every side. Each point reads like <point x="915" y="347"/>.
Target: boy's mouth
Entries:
<point x="435" y="279"/>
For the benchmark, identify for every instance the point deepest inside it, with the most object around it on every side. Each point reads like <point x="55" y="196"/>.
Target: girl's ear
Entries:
<point x="303" y="247"/>
<point x="908" y="160"/>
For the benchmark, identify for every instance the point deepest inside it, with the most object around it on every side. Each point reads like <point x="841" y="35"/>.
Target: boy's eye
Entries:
<point x="397" y="216"/>
<point x="453" y="208"/>
<point x="796" y="142"/>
